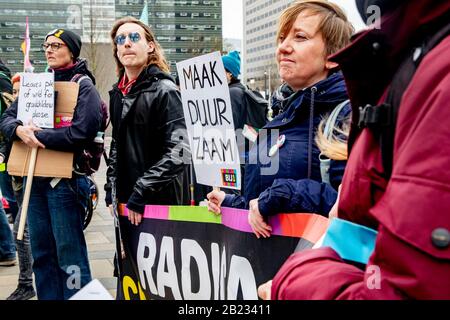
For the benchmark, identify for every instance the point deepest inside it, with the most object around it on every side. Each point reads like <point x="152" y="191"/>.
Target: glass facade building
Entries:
<point x="260" y="28"/>
<point x="184" y="28"/>
<point x="43" y="17"/>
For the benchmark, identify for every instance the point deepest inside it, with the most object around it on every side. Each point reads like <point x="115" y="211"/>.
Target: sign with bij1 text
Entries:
<point x="37" y="99"/>
<point x="209" y="121"/>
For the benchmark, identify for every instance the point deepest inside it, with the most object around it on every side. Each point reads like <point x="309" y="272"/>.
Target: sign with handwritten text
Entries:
<point x="209" y="121"/>
<point x="37" y="99"/>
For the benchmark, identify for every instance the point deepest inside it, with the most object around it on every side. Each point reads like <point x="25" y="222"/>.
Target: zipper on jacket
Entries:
<point x="311" y="129"/>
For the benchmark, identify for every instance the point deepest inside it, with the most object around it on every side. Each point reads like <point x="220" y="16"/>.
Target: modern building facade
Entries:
<point x="43" y="17"/>
<point x="184" y="28"/>
<point x="260" y="27"/>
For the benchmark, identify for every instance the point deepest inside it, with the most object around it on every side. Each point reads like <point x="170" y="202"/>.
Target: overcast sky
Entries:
<point x="232" y="16"/>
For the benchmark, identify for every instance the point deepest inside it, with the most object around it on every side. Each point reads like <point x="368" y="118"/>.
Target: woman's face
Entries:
<point x="301" y="53"/>
<point x="57" y="58"/>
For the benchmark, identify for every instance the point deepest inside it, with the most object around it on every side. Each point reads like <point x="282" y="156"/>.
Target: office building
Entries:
<point x="260" y="27"/>
<point x="184" y="28"/>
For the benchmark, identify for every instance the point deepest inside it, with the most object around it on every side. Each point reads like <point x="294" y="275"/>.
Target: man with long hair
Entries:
<point x="148" y="124"/>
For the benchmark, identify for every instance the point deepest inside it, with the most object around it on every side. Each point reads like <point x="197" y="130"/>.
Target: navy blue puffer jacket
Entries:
<point x="298" y="157"/>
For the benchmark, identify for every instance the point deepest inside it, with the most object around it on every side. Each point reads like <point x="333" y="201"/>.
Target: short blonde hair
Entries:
<point x="335" y="28"/>
<point x="156" y="57"/>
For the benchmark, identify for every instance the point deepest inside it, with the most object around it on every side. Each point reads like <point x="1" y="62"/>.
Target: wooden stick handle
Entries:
<point x="26" y="196"/>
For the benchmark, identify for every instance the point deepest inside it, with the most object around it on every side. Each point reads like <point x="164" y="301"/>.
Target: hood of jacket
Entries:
<point x="369" y="63"/>
<point x="80" y="67"/>
<point x="323" y="96"/>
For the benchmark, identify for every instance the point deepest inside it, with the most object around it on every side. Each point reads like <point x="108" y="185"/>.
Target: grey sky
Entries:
<point x="232" y="16"/>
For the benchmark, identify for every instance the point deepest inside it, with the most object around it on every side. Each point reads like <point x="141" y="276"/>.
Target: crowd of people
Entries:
<point x="356" y="131"/>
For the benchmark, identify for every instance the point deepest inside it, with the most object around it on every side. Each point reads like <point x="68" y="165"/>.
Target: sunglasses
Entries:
<point x="54" y="45"/>
<point x="121" y="38"/>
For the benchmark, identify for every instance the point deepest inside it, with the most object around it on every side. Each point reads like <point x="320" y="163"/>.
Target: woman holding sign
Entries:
<point x="55" y="213"/>
<point x="308" y="32"/>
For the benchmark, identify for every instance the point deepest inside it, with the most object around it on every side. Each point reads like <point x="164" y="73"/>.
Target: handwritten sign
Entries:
<point x="37" y="99"/>
<point x="209" y="121"/>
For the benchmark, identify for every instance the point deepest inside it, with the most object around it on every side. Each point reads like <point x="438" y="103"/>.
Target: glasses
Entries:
<point x="121" y="38"/>
<point x="54" y="46"/>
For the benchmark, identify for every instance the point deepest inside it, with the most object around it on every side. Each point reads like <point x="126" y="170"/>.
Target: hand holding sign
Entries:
<point x="26" y="134"/>
<point x="215" y="199"/>
<point x="256" y="221"/>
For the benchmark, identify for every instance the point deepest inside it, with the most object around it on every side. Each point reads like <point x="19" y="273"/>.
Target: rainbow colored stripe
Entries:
<point x="231" y="172"/>
<point x="301" y="225"/>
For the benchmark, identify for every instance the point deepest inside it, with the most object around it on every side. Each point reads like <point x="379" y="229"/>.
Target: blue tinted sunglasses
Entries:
<point x="133" y="36"/>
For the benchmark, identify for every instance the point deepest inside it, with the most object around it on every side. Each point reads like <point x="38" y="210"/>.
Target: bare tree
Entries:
<point x="97" y="51"/>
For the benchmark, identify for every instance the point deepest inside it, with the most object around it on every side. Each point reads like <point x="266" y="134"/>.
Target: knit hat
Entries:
<point x="71" y="39"/>
<point x="232" y="63"/>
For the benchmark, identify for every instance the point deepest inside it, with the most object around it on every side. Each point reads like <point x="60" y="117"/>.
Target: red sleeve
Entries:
<point x="314" y="274"/>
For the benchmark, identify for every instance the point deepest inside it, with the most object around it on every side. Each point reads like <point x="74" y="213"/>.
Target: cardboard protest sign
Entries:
<point x="209" y="121"/>
<point x="49" y="163"/>
<point x="189" y="253"/>
<point x="37" y="99"/>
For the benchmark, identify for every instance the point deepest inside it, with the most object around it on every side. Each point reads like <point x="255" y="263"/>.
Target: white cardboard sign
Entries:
<point x="37" y="99"/>
<point x="209" y="121"/>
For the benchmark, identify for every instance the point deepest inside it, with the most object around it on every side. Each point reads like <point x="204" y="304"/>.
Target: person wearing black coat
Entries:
<point x="149" y="145"/>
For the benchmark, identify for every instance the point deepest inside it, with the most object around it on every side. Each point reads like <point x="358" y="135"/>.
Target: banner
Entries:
<point x="188" y="253"/>
<point x="209" y="121"/>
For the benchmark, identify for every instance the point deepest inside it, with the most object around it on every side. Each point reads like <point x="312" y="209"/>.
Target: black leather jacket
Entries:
<point x="149" y="134"/>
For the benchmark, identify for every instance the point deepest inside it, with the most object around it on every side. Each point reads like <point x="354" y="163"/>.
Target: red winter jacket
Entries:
<point x="415" y="202"/>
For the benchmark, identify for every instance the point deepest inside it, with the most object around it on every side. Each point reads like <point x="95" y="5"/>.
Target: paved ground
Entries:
<point x="100" y="240"/>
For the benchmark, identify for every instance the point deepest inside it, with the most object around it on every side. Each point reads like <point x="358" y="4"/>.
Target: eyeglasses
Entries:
<point x="54" y="45"/>
<point x="121" y="38"/>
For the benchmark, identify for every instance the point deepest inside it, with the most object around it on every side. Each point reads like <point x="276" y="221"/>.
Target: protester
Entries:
<point x="149" y="131"/>
<point x="24" y="290"/>
<point x="7" y="248"/>
<point x="306" y="195"/>
<point x="408" y="204"/>
<point x="308" y="32"/>
<point x="56" y="207"/>
<point x="5" y="178"/>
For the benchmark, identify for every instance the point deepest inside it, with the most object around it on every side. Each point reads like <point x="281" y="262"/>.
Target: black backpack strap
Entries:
<point x="382" y="119"/>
